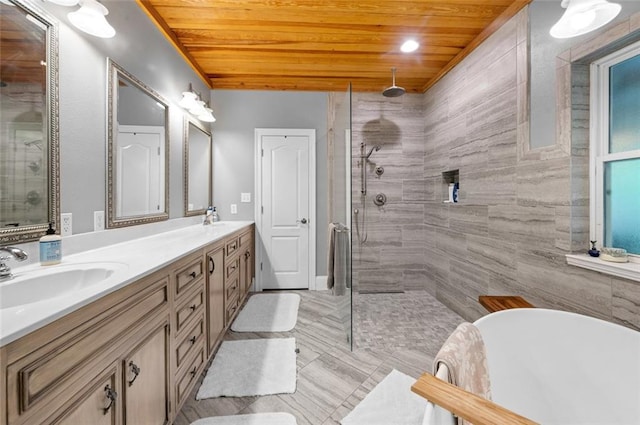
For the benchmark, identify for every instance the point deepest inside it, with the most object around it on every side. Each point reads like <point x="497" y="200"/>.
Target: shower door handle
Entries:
<point x="303" y="221"/>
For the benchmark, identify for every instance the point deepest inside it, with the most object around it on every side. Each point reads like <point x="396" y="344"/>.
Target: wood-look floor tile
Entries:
<point x="392" y="331"/>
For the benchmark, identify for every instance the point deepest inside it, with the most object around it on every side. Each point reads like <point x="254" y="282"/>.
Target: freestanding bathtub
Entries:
<point x="555" y="367"/>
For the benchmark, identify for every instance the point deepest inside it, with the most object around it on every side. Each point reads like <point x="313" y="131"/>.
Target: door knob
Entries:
<point x="303" y="221"/>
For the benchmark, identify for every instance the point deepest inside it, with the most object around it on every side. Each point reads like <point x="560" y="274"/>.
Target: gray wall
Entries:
<point x="544" y="49"/>
<point x="238" y="113"/>
<point x="140" y="49"/>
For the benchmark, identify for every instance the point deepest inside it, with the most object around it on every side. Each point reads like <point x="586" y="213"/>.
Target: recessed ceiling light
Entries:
<point x="409" y="46"/>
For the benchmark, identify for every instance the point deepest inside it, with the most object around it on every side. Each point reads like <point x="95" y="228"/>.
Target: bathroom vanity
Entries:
<point x="130" y="352"/>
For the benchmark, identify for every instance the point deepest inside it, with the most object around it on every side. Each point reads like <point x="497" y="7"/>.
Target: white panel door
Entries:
<point x="140" y="186"/>
<point x="285" y="212"/>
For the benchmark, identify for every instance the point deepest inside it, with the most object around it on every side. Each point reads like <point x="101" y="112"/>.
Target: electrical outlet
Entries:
<point x="234" y="209"/>
<point x="98" y="221"/>
<point x="66" y="224"/>
<point x="245" y="197"/>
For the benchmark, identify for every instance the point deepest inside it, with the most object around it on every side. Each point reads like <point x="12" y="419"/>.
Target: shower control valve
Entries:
<point x="380" y="199"/>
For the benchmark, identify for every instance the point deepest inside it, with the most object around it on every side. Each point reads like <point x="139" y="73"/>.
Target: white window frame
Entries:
<point x="599" y="138"/>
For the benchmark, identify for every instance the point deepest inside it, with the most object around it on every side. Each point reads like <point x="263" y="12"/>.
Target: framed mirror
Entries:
<point x="29" y="149"/>
<point x="137" y="151"/>
<point x="197" y="168"/>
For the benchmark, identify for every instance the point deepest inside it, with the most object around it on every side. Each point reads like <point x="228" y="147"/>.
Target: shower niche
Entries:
<point x="451" y="186"/>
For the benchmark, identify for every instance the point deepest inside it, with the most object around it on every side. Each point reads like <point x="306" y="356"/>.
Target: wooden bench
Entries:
<point x="503" y="302"/>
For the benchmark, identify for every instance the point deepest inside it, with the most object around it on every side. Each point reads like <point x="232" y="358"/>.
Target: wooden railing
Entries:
<point x="464" y="404"/>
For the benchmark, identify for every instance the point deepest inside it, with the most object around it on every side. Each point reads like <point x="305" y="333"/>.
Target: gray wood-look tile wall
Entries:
<point x="520" y="210"/>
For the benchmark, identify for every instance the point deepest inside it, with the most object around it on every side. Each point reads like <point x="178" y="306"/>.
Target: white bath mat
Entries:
<point x="391" y="402"/>
<point x="251" y="367"/>
<point x="268" y="313"/>
<point x="255" y="419"/>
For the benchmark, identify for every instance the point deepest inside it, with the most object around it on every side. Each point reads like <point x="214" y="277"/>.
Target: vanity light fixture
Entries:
<point x="90" y="18"/>
<point x="409" y="46"/>
<point x="191" y="102"/>
<point x="583" y="16"/>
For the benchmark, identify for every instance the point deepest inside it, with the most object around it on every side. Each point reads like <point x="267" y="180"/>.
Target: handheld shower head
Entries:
<point x="376" y="148"/>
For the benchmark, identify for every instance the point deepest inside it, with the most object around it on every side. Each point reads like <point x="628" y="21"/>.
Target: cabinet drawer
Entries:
<point x="245" y="239"/>
<point x="188" y="377"/>
<point x="231" y="287"/>
<point x="231" y="308"/>
<point x="232" y="246"/>
<point x="189" y="309"/>
<point x="232" y="266"/>
<point x="191" y="340"/>
<point x="189" y="275"/>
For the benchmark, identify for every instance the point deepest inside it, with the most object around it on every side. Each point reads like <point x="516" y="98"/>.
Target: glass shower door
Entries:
<point x="340" y="206"/>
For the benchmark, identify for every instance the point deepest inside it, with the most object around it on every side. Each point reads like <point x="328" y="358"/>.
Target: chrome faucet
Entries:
<point x="17" y="253"/>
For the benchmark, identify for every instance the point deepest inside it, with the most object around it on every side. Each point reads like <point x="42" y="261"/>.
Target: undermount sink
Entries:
<point x="53" y="282"/>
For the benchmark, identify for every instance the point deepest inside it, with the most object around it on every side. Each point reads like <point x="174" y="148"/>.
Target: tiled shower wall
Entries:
<point x="392" y="258"/>
<point x="513" y="225"/>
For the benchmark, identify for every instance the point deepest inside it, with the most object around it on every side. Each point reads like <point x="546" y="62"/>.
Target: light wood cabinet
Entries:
<point x="247" y="250"/>
<point x="132" y="356"/>
<point x="215" y="296"/>
<point x="97" y="404"/>
<point x="145" y="385"/>
<point x="188" y="283"/>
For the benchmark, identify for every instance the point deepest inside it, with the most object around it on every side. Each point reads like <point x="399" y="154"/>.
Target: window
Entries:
<point x="615" y="150"/>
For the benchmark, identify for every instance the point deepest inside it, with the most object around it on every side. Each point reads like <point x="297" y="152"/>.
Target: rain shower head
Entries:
<point x="393" y="91"/>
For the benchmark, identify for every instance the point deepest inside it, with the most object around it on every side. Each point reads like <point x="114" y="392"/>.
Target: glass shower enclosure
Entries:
<point x="340" y="206"/>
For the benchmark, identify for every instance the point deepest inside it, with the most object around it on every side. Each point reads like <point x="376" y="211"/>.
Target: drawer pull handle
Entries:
<point x="192" y="307"/>
<point x="112" y="396"/>
<point x="247" y="255"/>
<point x="193" y="340"/>
<point x="212" y="265"/>
<point x="193" y="275"/>
<point x="135" y="370"/>
<point x="193" y="372"/>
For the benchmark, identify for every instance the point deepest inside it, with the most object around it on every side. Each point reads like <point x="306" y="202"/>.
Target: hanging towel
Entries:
<point x="464" y="355"/>
<point x="331" y="255"/>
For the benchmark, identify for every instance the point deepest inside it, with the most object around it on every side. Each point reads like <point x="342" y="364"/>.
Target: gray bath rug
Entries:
<point x="251" y="367"/>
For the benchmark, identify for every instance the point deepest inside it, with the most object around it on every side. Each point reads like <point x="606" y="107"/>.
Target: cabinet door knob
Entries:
<point x="192" y="307"/>
<point x="193" y="275"/>
<point x="193" y="372"/>
<point x="111" y="396"/>
<point x="135" y="370"/>
<point x="193" y="340"/>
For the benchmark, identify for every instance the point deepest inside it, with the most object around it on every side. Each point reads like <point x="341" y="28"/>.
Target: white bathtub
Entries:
<point x="562" y="368"/>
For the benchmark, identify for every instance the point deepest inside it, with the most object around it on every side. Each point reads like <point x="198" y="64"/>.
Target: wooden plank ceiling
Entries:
<point x="322" y="45"/>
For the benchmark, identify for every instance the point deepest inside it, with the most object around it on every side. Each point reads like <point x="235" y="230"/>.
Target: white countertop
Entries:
<point x="141" y="257"/>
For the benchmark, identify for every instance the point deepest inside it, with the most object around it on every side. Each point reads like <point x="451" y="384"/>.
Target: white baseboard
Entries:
<point x="321" y="283"/>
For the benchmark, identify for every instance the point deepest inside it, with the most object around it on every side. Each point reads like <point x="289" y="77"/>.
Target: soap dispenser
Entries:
<point x="50" y="247"/>
<point x="215" y="215"/>
<point x="208" y="217"/>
